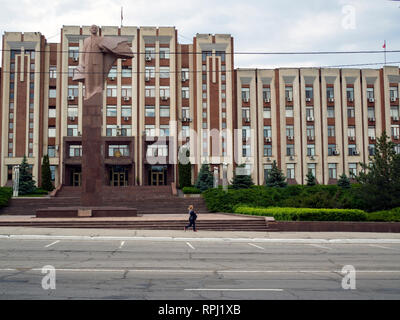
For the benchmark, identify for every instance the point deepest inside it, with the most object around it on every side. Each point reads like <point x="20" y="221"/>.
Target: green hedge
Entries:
<point x="296" y="196"/>
<point x="5" y="196"/>
<point x="387" y="215"/>
<point x="191" y="190"/>
<point x="305" y="214"/>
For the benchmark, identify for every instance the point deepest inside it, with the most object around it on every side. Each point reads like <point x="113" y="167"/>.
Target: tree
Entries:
<point x="185" y="170"/>
<point x="276" y="177"/>
<point x="380" y="178"/>
<point x="241" y="181"/>
<point x="205" y="179"/>
<point x="344" y="181"/>
<point x="310" y="179"/>
<point x="46" y="174"/>
<point x="26" y="183"/>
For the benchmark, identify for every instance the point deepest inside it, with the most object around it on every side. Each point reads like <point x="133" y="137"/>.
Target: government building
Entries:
<point x="173" y="95"/>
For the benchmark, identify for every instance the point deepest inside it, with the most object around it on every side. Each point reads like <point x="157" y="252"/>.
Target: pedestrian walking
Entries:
<point x="192" y="219"/>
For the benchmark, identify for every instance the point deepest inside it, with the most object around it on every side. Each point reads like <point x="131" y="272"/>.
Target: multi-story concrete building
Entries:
<point x="172" y="95"/>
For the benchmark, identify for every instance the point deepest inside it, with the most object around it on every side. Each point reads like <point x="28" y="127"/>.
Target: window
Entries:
<point x="111" y="130"/>
<point x="149" y="53"/>
<point x="164" y="130"/>
<point x="164" y="111"/>
<point x="371" y="132"/>
<point x="51" y="151"/>
<point x="246" y="150"/>
<point x="53" y="173"/>
<point x="126" y="111"/>
<point x="267" y="170"/>
<point x="351" y="132"/>
<point x="267" y="132"/>
<point x="185" y="113"/>
<point x="121" y="150"/>
<point x="331" y="131"/>
<point x="52" y="132"/>
<point x="267" y="94"/>
<point x="370" y="93"/>
<point x="267" y="150"/>
<point x="75" y="151"/>
<point x="157" y="151"/>
<point x="310" y="113"/>
<point x="246" y="113"/>
<point x="72" y="111"/>
<point x="126" y="91"/>
<point x="311" y="168"/>
<point x="72" y="130"/>
<point x="371" y="113"/>
<point x="331" y="149"/>
<point x="267" y="113"/>
<point x="205" y="54"/>
<point x="111" y="91"/>
<point x="310" y="132"/>
<point x="164" y="53"/>
<point x="394" y="94"/>
<point x="394" y="112"/>
<point x="397" y="148"/>
<point x="149" y="111"/>
<point x="185" y="131"/>
<point x="221" y="54"/>
<point x="164" y="72"/>
<point x="111" y="111"/>
<point x="149" y="72"/>
<point x="126" y="130"/>
<point x="245" y="132"/>
<point x="309" y="93"/>
<point x="185" y="93"/>
<point x="150" y="92"/>
<point x="52" y="112"/>
<point x="290" y="171"/>
<point x="352" y="150"/>
<point x="289" y="131"/>
<point x="350" y="94"/>
<point x="329" y="92"/>
<point x="126" y="72"/>
<point x="185" y="74"/>
<point x="371" y="149"/>
<point x="352" y="170"/>
<point x="289" y="93"/>
<point x="245" y="94"/>
<point x="73" y="91"/>
<point x="71" y="71"/>
<point x="331" y="112"/>
<point x="332" y="170"/>
<point x="395" y="131"/>
<point x="310" y="150"/>
<point x="73" y="52"/>
<point x="53" y="72"/>
<point x="52" y="93"/>
<point x="351" y="112"/>
<point x="289" y="112"/>
<point x="290" y="150"/>
<point x="164" y="92"/>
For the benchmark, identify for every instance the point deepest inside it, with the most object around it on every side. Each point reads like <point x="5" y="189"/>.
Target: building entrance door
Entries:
<point x="76" y="179"/>
<point x="119" y="177"/>
<point x="157" y="176"/>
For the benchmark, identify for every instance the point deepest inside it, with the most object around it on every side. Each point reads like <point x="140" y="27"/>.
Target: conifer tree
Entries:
<point x="310" y="179"/>
<point x="205" y="179"/>
<point x="46" y="174"/>
<point x="26" y="183"/>
<point x="241" y="181"/>
<point x="276" y="177"/>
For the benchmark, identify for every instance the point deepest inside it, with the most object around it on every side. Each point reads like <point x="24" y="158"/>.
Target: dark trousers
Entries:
<point x="192" y="223"/>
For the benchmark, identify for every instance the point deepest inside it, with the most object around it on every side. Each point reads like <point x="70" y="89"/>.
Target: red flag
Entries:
<point x="384" y="45"/>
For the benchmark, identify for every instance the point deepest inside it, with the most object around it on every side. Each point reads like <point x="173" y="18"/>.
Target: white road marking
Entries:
<point x="194" y="270"/>
<point x="228" y="289"/>
<point x="318" y="246"/>
<point x="382" y="247"/>
<point x="190" y="245"/>
<point x="49" y="245"/>
<point x="254" y="245"/>
<point x="122" y="244"/>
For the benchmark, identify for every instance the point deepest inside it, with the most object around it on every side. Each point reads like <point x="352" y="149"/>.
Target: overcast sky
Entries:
<point x="256" y="25"/>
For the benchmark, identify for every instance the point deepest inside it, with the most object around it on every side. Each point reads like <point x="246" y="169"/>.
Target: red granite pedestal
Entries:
<point x="92" y="169"/>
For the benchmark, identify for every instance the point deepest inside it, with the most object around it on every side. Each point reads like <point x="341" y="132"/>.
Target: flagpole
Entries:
<point x="122" y="17"/>
<point x="385" y="52"/>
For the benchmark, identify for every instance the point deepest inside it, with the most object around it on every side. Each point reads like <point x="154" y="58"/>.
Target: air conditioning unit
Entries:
<point x="268" y="139"/>
<point x="352" y="138"/>
<point x="71" y="97"/>
<point x="269" y="159"/>
<point x="267" y="100"/>
<point x="290" y="137"/>
<point x="396" y="137"/>
<point x="371" y="119"/>
<point x="312" y="158"/>
<point x="112" y="78"/>
<point x="126" y="118"/>
<point x="308" y="99"/>
<point x="336" y="152"/>
<point x="350" y="100"/>
<point x="331" y="99"/>
<point x="310" y="118"/>
<point x="311" y="138"/>
<point x="288" y="99"/>
<point x="393" y="99"/>
<point x="395" y="118"/>
<point x="246" y="119"/>
<point x="183" y="79"/>
<point x="72" y="118"/>
<point x="127" y="98"/>
<point x="246" y="100"/>
<point x="147" y="78"/>
<point x="148" y="58"/>
<point x="163" y="98"/>
<point x="186" y="120"/>
<point x="356" y="153"/>
<point x="372" y="138"/>
<point x="291" y="158"/>
<point x="371" y="100"/>
<point x="75" y="59"/>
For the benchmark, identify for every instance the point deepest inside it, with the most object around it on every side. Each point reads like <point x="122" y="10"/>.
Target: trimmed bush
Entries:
<point x="5" y="196"/>
<point x="305" y="214"/>
<point x="191" y="190"/>
<point x="387" y="215"/>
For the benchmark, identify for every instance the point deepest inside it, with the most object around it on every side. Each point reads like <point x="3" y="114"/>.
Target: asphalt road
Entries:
<point x="184" y="270"/>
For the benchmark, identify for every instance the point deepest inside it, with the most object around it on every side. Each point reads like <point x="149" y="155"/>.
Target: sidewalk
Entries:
<point x="20" y="232"/>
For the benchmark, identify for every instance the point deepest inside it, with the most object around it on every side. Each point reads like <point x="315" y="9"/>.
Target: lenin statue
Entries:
<point x="98" y="56"/>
